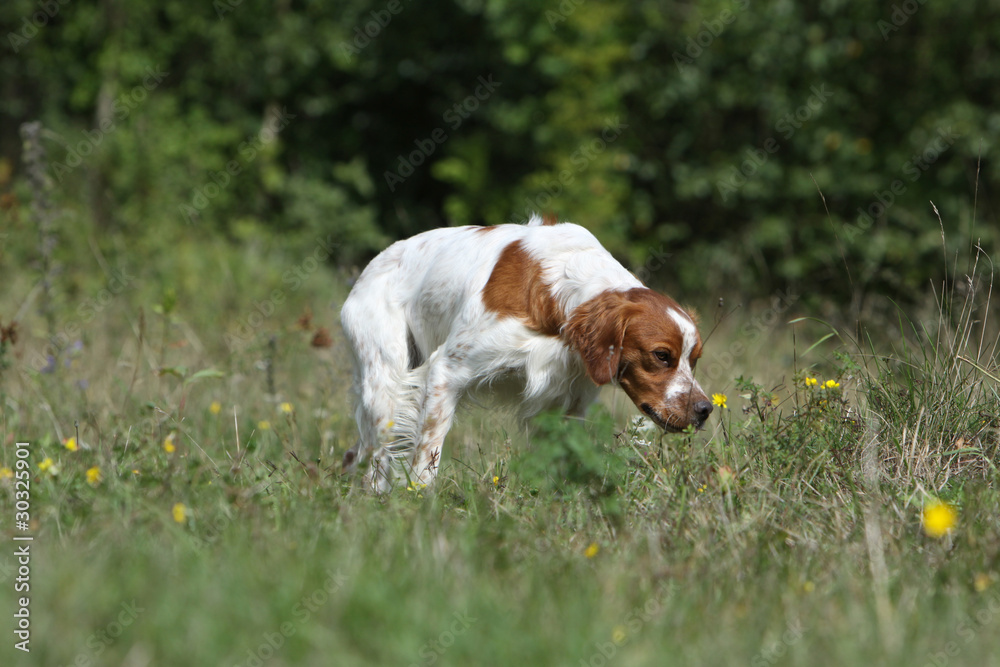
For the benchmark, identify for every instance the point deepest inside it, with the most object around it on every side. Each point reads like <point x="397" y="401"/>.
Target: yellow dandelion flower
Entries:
<point x="168" y="444"/>
<point x="496" y="480"/>
<point x="719" y="399"/>
<point x="831" y="384"/>
<point x="938" y="518"/>
<point x="811" y="382"/>
<point x="618" y="635"/>
<point x="264" y="425"/>
<point x="215" y="408"/>
<point x="591" y="550"/>
<point x="180" y="513"/>
<point x="416" y="486"/>
<point x="287" y="408"/>
<point x="982" y="582"/>
<point x="70" y="444"/>
<point x="6" y="473"/>
<point x="808" y="587"/>
<point x="48" y="465"/>
<point x="94" y="476"/>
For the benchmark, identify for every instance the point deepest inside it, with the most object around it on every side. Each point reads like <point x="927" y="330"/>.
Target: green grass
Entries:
<point x="787" y="533"/>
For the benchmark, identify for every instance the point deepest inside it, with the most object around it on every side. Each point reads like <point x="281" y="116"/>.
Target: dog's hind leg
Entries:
<point x="377" y="333"/>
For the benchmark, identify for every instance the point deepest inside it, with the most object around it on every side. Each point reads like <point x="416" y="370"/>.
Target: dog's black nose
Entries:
<point x="702" y="409"/>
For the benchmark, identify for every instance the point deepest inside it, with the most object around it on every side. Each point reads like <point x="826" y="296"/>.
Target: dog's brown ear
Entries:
<point x="596" y="330"/>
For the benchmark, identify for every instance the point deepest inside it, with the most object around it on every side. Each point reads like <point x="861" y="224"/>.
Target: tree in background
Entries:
<point x="700" y="130"/>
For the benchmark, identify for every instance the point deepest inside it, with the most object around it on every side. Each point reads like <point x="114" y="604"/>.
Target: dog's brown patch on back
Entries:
<point x="482" y="230"/>
<point x="516" y="288"/>
<point x="548" y="220"/>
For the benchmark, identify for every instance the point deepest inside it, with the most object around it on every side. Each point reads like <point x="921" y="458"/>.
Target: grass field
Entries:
<point x="186" y="506"/>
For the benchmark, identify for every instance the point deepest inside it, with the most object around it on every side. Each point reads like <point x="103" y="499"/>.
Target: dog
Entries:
<point x="538" y="315"/>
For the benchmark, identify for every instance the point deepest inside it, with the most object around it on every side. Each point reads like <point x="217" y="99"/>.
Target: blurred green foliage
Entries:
<point x="703" y="130"/>
<point x="563" y="459"/>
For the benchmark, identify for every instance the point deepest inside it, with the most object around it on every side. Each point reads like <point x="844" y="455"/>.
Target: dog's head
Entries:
<point x="649" y="345"/>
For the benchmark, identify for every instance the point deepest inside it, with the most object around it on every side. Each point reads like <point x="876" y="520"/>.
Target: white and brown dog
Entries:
<point x="539" y="315"/>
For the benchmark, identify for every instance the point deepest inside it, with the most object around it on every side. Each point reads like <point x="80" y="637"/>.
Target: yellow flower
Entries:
<point x="416" y="486"/>
<point x="982" y="582"/>
<point x="938" y="518"/>
<point x="70" y="444"/>
<point x="618" y="635"/>
<point x="264" y="425"/>
<point x="831" y="384"/>
<point x="591" y="550"/>
<point x="6" y="473"/>
<point x="287" y="408"/>
<point x="47" y="466"/>
<point x="719" y="399"/>
<point x="496" y="480"/>
<point x="94" y="476"/>
<point x="811" y="382"/>
<point x="808" y="587"/>
<point x="180" y="513"/>
<point x="168" y="444"/>
<point x="215" y="408"/>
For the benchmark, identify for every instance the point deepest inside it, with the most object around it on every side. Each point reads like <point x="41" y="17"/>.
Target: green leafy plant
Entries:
<point x="569" y="456"/>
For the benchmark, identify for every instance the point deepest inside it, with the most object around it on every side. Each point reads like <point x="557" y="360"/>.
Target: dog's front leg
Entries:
<point x="446" y="379"/>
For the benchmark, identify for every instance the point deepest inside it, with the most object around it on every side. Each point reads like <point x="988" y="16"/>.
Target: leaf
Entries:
<point x="817" y="343"/>
<point x="205" y="374"/>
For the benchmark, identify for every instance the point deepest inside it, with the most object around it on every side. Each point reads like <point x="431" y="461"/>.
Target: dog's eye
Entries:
<point x="664" y="356"/>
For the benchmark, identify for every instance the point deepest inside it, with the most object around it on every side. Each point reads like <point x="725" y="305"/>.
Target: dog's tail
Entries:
<point x="545" y="220"/>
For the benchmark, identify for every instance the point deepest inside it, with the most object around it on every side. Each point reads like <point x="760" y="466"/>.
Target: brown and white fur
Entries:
<point x="540" y="307"/>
